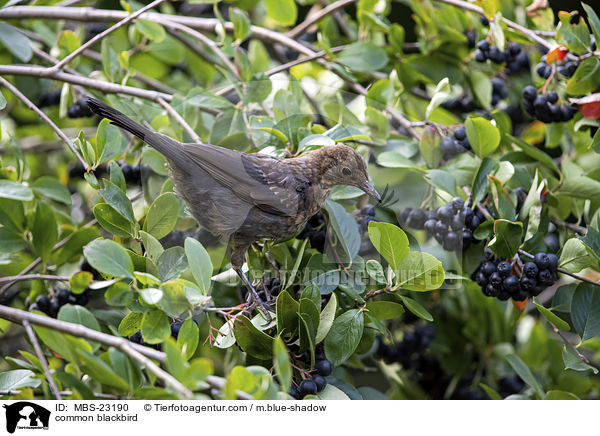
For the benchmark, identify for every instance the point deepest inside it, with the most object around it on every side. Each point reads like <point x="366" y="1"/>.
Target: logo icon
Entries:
<point x="26" y="415"/>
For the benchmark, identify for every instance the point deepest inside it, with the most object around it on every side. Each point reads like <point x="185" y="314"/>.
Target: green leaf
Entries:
<point x="585" y="79"/>
<point x="155" y="326"/>
<point x="281" y="362"/>
<point x="112" y="221"/>
<point x="534" y="153"/>
<point x="576" y="255"/>
<point x="326" y="319"/>
<point x="525" y="373"/>
<point x="585" y="310"/>
<point x="560" y="395"/>
<point x="363" y="56"/>
<point x="308" y="313"/>
<point x="52" y="188"/>
<point x="175" y="300"/>
<point x="574" y="362"/>
<point x="200" y="263"/>
<point x="345" y="228"/>
<point x="593" y="20"/>
<point x="286" y="310"/>
<point x="11" y="242"/>
<point x="151" y="30"/>
<point x="482" y="87"/>
<point x="251" y="340"/>
<point x="507" y="238"/>
<point x="152" y="246"/>
<point x="131" y="324"/>
<point x="79" y="315"/>
<point x="109" y="258"/>
<point x="100" y="371"/>
<point x="283" y="12"/>
<point x="390" y="241"/>
<point x="429" y="146"/>
<point x="554" y="319"/>
<point x="344" y="336"/>
<point x="419" y="272"/>
<point x="18" y="378"/>
<point x="15" y="190"/>
<point x="2" y="103"/>
<point x="383" y="310"/>
<point x="574" y="32"/>
<point x="188" y="338"/>
<point x="114" y="196"/>
<point x="241" y="23"/>
<point x="162" y="215"/>
<point x="80" y="281"/>
<point x="108" y="142"/>
<point x="491" y="392"/>
<point x="172" y="263"/>
<point x="481" y="182"/>
<point x="17" y="43"/>
<point x="375" y="271"/>
<point x="483" y="135"/>
<point x="416" y="308"/>
<point x="258" y="89"/>
<point x="44" y="231"/>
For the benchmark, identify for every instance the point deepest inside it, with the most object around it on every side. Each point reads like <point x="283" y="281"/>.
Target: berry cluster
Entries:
<point x="51" y="98"/>
<point x="315" y="231"/>
<point x="452" y="225"/>
<point x="132" y="173"/>
<point x="496" y="278"/>
<point x="364" y="216"/>
<point x="51" y="305"/>
<point x="544" y="107"/>
<point x="510" y="385"/>
<point x="461" y="105"/>
<point x="516" y="60"/>
<point x="545" y="71"/>
<point x="79" y="109"/>
<point x="456" y="144"/>
<point x="499" y="91"/>
<point x="137" y="338"/>
<point x="317" y="382"/>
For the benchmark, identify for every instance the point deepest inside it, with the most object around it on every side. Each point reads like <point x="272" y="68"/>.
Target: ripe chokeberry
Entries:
<point x="323" y="367"/>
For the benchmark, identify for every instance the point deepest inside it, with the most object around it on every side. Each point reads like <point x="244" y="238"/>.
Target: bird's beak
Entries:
<point x="368" y="188"/>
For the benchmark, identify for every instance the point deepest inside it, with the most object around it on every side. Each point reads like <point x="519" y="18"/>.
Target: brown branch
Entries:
<point x="43" y="361"/>
<point x="375" y="292"/>
<point x="77" y="330"/>
<point x="44" y="117"/>
<point x="313" y="18"/>
<point x="90" y="14"/>
<point x="574" y="227"/>
<point x="18" y="278"/>
<point x="569" y="344"/>
<point x="102" y="35"/>
<point x="565" y="272"/>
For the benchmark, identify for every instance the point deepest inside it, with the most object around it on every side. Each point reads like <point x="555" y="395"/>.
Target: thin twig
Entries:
<point x="33" y="277"/>
<point x="375" y="292"/>
<point x="17" y="315"/>
<point x="102" y="35"/>
<point x="564" y="271"/>
<point x="575" y="227"/>
<point x="180" y="120"/>
<point x="43" y="361"/>
<point x="313" y="18"/>
<point x="44" y="117"/>
<point x="569" y="344"/>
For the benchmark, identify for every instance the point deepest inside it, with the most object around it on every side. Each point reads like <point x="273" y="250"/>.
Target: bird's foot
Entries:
<point x="254" y="297"/>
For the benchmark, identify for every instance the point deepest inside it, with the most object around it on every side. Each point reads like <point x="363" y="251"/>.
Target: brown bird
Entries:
<point x="249" y="197"/>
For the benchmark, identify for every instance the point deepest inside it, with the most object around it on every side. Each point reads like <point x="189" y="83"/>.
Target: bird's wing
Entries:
<point x="256" y="179"/>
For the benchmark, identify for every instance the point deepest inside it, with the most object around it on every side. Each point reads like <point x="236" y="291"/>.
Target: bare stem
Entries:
<point x="43" y="361"/>
<point x="313" y="18"/>
<point x="44" y="117"/>
<point x="102" y="35"/>
<point x="574" y="227"/>
<point x="569" y="344"/>
<point x="33" y="277"/>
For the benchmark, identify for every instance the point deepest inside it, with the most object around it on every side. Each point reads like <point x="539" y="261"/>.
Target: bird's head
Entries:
<point x="342" y="165"/>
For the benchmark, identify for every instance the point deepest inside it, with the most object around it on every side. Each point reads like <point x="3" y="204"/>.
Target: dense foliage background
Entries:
<point x="478" y="121"/>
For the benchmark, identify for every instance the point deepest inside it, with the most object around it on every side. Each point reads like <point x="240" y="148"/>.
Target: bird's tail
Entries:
<point x="168" y="147"/>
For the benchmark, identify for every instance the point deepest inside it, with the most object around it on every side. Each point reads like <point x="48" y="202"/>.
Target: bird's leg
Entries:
<point x="237" y="260"/>
<point x="259" y="303"/>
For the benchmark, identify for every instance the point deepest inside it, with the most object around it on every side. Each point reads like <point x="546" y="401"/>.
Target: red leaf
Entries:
<point x="558" y="54"/>
<point x="591" y="110"/>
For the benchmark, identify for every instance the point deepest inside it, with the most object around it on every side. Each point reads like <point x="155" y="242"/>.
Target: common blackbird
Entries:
<point x="248" y="197"/>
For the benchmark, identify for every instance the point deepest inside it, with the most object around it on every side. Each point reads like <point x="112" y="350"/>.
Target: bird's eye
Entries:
<point x="346" y="171"/>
